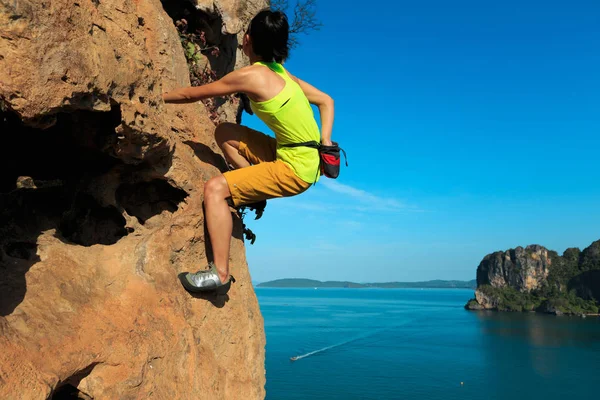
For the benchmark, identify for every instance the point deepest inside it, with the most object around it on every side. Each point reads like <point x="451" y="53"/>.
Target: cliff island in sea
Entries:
<point x="537" y="279"/>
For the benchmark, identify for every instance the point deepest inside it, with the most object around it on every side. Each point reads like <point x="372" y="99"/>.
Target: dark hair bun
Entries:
<point x="270" y="31"/>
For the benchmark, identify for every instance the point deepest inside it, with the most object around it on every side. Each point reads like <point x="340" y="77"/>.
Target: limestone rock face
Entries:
<point x="235" y="13"/>
<point x="101" y="207"/>
<point x="523" y="269"/>
<point x="484" y="302"/>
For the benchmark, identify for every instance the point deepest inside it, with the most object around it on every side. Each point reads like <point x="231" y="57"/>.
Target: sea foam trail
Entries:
<point x="324" y="349"/>
<point x="296" y="358"/>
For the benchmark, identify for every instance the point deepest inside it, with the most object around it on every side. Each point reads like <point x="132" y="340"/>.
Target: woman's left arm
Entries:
<point x="234" y="82"/>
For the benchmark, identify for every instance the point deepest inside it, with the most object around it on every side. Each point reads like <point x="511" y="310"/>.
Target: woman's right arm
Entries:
<point x="325" y="104"/>
<point x="234" y="82"/>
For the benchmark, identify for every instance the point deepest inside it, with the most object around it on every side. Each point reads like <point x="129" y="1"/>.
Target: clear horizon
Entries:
<point x="364" y="283"/>
<point x="470" y="128"/>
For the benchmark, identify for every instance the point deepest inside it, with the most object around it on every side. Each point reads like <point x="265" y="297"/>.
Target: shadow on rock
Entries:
<point x="218" y="297"/>
<point x="15" y="260"/>
<point x="24" y="214"/>
<point x="207" y="155"/>
<point x="586" y="285"/>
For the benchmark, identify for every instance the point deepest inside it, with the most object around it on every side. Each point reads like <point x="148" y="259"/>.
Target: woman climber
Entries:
<point x="265" y="167"/>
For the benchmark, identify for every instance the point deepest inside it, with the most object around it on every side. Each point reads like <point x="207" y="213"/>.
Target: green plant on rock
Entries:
<point x="194" y="46"/>
<point x="191" y="54"/>
<point x="509" y="299"/>
<point x="546" y="300"/>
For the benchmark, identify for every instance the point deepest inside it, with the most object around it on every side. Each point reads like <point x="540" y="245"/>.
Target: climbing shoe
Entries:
<point x="203" y="281"/>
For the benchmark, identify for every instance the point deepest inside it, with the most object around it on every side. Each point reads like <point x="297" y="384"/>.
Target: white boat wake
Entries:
<point x="296" y="358"/>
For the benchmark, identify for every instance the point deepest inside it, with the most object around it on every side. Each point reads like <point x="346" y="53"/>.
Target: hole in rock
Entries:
<point x="196" y="19"/>
<point x="67" y="389"/>
<point x="68" y="150"/>
<point x="88" y="223"/>
<point x="22" y="250"/>
<point x="144" y="200"/>
<point x="69" y="392"/>
<point x="43" y="171"/>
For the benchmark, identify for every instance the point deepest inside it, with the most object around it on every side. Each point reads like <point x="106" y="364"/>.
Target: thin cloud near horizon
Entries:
<point x="374" y="201"/>
<point x="361" y="201"/>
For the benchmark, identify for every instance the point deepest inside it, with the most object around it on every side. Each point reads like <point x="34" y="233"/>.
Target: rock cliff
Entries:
<point x="101" y="206"/>
<point x="523" y="269"/>
<point x="537" y="279"/>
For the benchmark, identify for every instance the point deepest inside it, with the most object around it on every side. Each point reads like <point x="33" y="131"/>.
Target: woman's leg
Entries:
<point x="245" y="185"/>
<point x="242" y="147"/>
<point x="228" y="137"/>
<point x="219" y="223"/>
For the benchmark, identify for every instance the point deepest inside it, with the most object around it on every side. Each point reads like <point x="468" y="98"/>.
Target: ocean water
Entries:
<point x="421" y="344"/>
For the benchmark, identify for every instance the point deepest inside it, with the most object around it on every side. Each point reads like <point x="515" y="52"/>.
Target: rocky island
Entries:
<point x="537" y="279"/>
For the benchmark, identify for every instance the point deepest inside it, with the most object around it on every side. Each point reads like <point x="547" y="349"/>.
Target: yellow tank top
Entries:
<point x="290" y="116"/>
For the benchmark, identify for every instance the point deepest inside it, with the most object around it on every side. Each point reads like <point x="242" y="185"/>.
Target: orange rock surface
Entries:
<point x="101" y="207"/>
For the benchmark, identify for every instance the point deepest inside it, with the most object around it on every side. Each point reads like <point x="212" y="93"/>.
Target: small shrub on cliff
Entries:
<point x="577" y="305"/>
<point x="590" y="257"/>
<point x="195" y="46"/>
<point x="561" y="271"/>
<point x="509" y="299"/>
<point x="569" y="304"/>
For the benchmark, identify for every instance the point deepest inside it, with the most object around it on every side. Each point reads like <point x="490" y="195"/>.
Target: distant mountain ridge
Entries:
<point x="302" y="283"/>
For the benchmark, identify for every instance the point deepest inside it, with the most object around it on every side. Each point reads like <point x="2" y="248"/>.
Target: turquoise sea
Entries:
<point x="421" y="344"/>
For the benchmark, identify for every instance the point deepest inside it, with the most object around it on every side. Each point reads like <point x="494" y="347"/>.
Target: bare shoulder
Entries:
<point x="246" y="78"/>
<point x="251" y="80"/>
<point x="246" y="72"/>
<point x="291" y="75"/>
<point x="253" y="74"/>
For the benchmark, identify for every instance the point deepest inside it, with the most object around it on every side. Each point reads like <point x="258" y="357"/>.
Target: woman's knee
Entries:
<point x="216" y="188"/>
<point x="225" y="132"/>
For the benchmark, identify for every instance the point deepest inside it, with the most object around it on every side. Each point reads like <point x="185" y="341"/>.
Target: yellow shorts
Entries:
<point x="267" y="177"/>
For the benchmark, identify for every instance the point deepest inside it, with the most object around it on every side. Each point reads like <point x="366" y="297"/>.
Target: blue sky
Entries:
<point x="470" y="127"/>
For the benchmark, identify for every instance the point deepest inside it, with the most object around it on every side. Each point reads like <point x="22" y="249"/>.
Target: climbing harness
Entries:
<point x="329" y="157"/>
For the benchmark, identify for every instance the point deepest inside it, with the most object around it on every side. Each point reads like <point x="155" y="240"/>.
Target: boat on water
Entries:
<point x="293" y="358"/>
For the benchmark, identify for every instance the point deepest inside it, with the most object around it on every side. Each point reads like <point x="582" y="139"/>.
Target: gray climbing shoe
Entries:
<point x="202" y="281"/>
